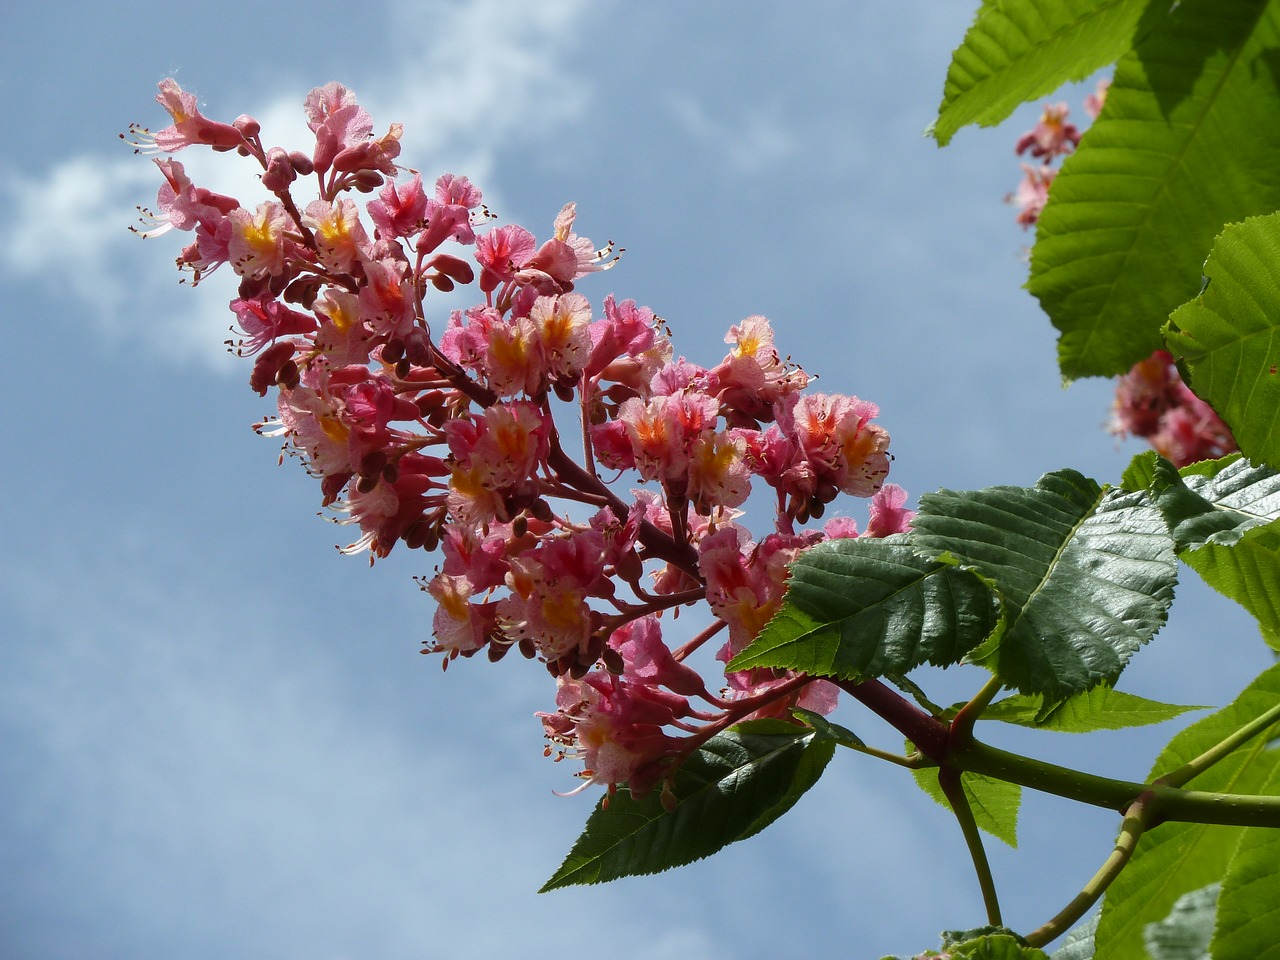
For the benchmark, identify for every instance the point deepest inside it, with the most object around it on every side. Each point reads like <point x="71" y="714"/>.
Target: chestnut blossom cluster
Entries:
<point x="445" y="429"/>
<point x="1152" y="402"/>
<point x="1051" y="138"/>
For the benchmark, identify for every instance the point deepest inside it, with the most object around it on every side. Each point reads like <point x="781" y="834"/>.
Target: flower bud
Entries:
<point x="417" y="347"/>
<point x="392" y="351"/>
<point x="302" y="164"/>
<point x="279" y="173"/>
<point x="303" y="291"/>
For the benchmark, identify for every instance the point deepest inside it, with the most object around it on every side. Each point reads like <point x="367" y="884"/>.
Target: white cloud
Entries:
<point x="752" y="143"/>
<point x="480" y="77"/>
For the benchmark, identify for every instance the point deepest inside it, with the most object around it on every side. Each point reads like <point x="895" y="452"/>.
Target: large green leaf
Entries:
<point x="866" y="607"/>
<point x="1249" y="904"/>
<point x="1018" y="50"/>
<point x="1176" y="858"/>
<point x="1229" y="336"/>
<point x="1187" y="143"/>
<point x="1086" y="576"/>
<point x="994" y="803"/>
<point x="731" y="788"/>
<point x="1101" y="708"/>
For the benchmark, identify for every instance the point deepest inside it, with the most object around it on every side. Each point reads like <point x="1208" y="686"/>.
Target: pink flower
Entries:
<point x="1094" y="102"/>
<point x="1052" y="136"/>
<point x="835" y="435"/>
<point x="341" y="241"/>
<point x="449" y="214"/>
<point x="1152" y="402"/>
<point x="1032" y="192"/>
<point x="564" y="343"/>
<point x="752" y="378"/>
<point x="400" y="209"/>
<point x="263" y="320"/>
<point x="190" y="126"/>
<point x="387" y="302"/>
<point x="888" y="515"/>
<point x="258" y="245"/>
<point x="503" y="250"/>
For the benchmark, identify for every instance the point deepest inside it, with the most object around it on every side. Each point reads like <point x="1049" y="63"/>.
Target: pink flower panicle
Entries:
<point x="1051" y="138"/>
<point x="448" y="438"/>
<point x="1152" y="402"/>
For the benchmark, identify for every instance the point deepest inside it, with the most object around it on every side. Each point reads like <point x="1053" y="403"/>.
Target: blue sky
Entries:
<point x="219" y="737"/>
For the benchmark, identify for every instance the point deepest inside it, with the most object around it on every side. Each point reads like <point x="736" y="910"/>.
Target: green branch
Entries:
<point x="1169" y="802"/>
<point x="1195" y="767"/>
<point x="962" y="725"/>
<point x="953" y="790"/>
<point x="1136" y="821"/>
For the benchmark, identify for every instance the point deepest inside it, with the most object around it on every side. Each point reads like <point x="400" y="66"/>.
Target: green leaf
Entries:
<point x="1018" y="50"/>
<point x="1086" y="576"/>
<point x="1248" y="573"/>
<point x="994" y="802"/>
<point x="1140" y="473"/>
<point x="1078" y="944"/>
<point x="866" y="607"/>
<point x="1249" y="904"/>
<point x="843" y="736"/>
<point x="1176" y="858"/>
<point x="731" y="788"/>
<point x="1185" y="933"/>
<point x="1229" y="336"/>
<point x="1187" y="143"/>
<point x="998" y="947"/>
<point x="1225" y="517"/>
<point x="1102" y="708"/>
<point x="1215" y="503"/>
<point x="983" y="943"/>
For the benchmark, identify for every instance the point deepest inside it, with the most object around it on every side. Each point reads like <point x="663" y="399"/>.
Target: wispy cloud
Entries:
<point x="752" y="142"/>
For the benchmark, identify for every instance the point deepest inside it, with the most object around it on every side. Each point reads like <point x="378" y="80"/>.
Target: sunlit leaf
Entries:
<point x="1101" y="708"/>
<point x="1229" y="336"/>
<point x="1218" y="506"/>
<point x="1248" y="573"/>
<point x="1176" y="858"/>
<point x="1249" y="904"/>
<point x="1186" y="144"/>
<point x="1225" y="515"/>
<point x="1018" y="50"/>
